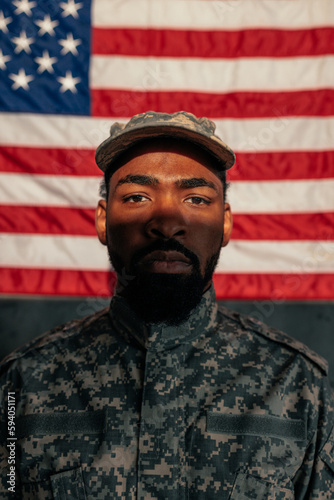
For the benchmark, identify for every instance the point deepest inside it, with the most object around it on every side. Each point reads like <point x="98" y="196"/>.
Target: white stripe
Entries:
<point x="302" y="196"/>
<point x="49" y="190"/>
<point x="86" y="253"/>
<point x="44" y="131"/>
<point x="256" y="134"/>
<point x="277" y="257"/>
<point x="213" y="14"/>
<point x="211" y="75"/>
<point x="53" y="252"/>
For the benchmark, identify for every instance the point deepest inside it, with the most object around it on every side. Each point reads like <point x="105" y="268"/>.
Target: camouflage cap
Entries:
<point x="151" y="124"/>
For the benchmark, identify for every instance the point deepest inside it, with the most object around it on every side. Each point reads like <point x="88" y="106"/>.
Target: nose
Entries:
<point x="166" y="222"/>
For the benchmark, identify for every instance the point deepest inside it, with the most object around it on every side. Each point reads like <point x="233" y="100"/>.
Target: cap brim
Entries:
<point x="112" y="147"/>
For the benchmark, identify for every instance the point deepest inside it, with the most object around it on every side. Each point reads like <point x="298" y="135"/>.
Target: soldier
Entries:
<point x="165" y="395"/>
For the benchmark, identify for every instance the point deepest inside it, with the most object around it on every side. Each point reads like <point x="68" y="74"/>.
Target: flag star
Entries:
<point x="3" y="60"/>
<point x="46" y="25"/>
<point x="24" y="6"/>
<point x="69" y="45"/>
<point x="21" y="80"/>
<point x="22" y="43"/>
<point x="70" y="8"/>
<point x="45" y="63"/>
<point x="4" y="21"/>
<point x="68" y="82"/>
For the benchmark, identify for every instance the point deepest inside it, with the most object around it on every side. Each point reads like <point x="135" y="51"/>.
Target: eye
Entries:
<point x="197" y="200"/>
<point x="135" y="198"/>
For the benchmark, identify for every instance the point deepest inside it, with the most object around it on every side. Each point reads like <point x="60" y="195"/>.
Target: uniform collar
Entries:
<point x="160" y="336"/>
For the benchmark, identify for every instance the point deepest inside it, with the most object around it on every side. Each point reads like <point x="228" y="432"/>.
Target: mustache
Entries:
<point x="165" y="246"/>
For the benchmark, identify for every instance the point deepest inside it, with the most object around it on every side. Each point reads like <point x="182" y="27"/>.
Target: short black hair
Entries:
<point x="117" y="162"/>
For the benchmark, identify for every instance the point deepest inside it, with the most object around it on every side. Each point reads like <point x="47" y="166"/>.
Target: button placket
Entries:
<point x="161" y="422"/>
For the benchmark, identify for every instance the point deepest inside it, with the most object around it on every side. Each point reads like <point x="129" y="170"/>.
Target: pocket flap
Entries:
<point x="247" y="487"/>
<point x="327" y="452"/>
<point x="50" y="442"/>
<point x="46" y="424"/>
<point x="68" y="484"/>
<point x="256" y="425"/>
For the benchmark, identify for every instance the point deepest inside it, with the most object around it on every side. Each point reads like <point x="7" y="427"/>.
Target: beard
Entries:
<point x="163" y="297"/>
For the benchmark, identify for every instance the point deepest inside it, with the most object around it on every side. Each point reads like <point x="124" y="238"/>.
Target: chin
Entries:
<point x="164" y="297"/>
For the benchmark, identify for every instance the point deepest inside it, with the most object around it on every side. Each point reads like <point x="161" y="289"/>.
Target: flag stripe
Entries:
<point x="249" y="166"/>
<point x="213" y="14"/>
<point x="48" y="190"/>
<point x="211" y="75"/>
<point x="300" y="196"/>
<point x="275" y="287"/>
<point x="309" y="196"/>
<point x="283" y="226"/>
<point x="277" y="256"/>
<point x="55" y="161"/>
<point x="47" y="220"/>
<point x="86" y="252"/>
<point x="53" y="251"/>
<point x="213" y="44"/>
<point x="230" y="105"/>
<point x="283" y="165"/>
<point x="19" y="281"/>
<point x="280" y="133"/>
<point x="70" y="221"/>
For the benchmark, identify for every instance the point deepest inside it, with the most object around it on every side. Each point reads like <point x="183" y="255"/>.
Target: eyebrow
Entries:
<point x="149" y="180"/>
<point x="195" y="182"/>
<point x="144" y="180"/>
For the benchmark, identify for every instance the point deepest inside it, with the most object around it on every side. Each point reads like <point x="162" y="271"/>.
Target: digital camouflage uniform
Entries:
<point x="221" y="407"/>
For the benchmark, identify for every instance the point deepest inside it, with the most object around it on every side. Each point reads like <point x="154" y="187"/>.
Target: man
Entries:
<point x="163" y="395"/>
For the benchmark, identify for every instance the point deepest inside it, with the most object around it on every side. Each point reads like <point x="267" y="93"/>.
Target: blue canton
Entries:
<point x="44" y="56"/>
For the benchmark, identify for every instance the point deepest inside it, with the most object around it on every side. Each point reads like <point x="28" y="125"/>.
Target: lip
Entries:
<point x="166" y="262"/>
<point x="169" y="256"/>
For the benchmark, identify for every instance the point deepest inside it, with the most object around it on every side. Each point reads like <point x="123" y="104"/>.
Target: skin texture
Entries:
<point x="156" y="194"/>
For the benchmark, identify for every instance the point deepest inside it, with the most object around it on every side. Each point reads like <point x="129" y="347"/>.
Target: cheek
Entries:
<point x="123" y="234"/>
<point x="208" y="231"/>
<point x="206" y="241"/>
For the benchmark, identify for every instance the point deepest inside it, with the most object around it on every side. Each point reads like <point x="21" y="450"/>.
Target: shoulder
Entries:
<point x="273" y="335"/>
<point x="57" y="337"/>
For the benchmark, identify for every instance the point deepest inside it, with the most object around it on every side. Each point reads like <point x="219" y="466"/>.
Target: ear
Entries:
<point x="100" y="221"/>
<point x="228" y="224"/>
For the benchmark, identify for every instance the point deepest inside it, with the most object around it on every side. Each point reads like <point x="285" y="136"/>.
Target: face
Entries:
<point x="165" y="218"/>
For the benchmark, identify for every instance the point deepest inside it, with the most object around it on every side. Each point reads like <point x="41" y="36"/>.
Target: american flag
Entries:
<point x="261" y="69"/>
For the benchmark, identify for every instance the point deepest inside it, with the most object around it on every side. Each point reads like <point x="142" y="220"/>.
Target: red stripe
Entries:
<point x="249" y="166"/>
<point x="282" y="165"/>
<point x="273" y="287"/>
<point x="213" y="44"/>
<point x="125" y="103"/>
<point x="56" y="282"/>
<point x="70" y="221"/>
<point x="283" y="227"/>
<point x="52" y="161"/>
<point x="47" y="220"/>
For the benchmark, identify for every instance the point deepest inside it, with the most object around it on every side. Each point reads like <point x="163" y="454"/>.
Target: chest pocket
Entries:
<point x="52" y="448"/>
<point x="247" y="487"/>
<point x="327" y="453"/>
<point x="267" y="456"/>
<point x="68" y="484"/>
<point x="247" y="456"/>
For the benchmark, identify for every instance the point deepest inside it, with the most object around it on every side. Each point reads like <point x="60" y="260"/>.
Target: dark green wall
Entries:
<point x="311" y="323"/>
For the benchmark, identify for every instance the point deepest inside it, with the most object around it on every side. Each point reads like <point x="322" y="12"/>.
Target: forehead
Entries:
<point x="165" y="157"/>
